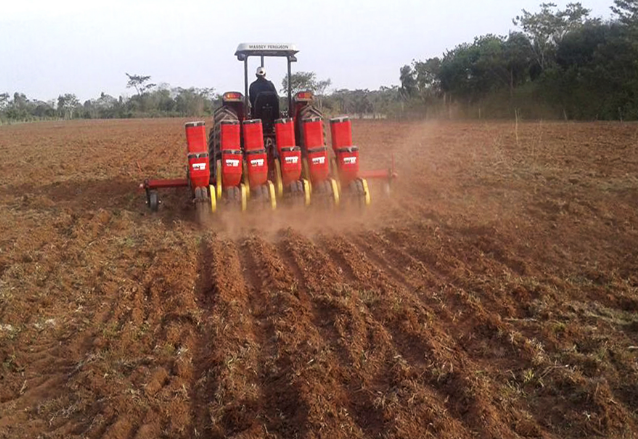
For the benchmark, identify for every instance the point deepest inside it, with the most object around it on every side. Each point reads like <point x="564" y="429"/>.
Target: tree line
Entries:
<point x="559" y="63"/>
<point x="149" y="100"/>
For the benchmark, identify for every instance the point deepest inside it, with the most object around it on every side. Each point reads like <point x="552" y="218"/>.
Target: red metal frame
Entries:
<point x="385" y="174"/>
<point x="161" y="184"/>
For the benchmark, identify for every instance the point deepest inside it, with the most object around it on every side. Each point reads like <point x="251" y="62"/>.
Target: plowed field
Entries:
<point x="495" y="295"/>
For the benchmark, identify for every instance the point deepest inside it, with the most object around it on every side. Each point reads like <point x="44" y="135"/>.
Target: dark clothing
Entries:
<point x="260" y="85"/>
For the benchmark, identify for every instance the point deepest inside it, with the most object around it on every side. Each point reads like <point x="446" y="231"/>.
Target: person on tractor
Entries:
<point x="261" y="84"/>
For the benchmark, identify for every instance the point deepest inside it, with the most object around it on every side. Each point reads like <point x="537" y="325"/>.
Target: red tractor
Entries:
<point x="275" y="142"/>
<point x="263" y="154"/>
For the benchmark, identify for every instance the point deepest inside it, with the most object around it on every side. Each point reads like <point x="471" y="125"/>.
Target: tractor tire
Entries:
<point x="310" y="111"/>
<point x="220" y="115"/>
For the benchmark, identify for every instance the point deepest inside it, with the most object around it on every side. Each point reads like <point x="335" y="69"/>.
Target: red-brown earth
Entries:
<point x="493" y="295"/>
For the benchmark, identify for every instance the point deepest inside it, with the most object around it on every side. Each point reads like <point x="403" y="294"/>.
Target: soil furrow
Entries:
<point x="454" y="271"/>
<point x="493" y="296"/>
<point x="413" y="331"/>
<point x="399" y="378"/>
<point x="411" y="269"/>
<point x="377" y="254"/>
<point x="319" y="366"/>
<point x="226" y="394"/>
<point x="478" y="333"/>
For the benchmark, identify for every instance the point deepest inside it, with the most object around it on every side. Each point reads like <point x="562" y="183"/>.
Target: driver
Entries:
<point x="261" y="84"/>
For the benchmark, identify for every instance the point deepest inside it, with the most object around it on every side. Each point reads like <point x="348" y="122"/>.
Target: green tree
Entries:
<point x="194" y="101"/>
<point x="139" y="83"/>
<point x="164" y="99"/>
<point x="20" y="101"/>
<point x="627" y="11"/>
<point x="386" y="100"/>
<point x="67" y="104"/>
<point x="518" y="59"/>
<point x="42" y="109"/>
<point x="547" y="28"/>
<point x="598" y="77"/>
<point x="471" y="71"/>
<point x="427" y="75"/>
<point x="20" y="108"/>
<point x="4" y="101"/>
<point x="407" y="76"/>
<point x="305" y="81"/>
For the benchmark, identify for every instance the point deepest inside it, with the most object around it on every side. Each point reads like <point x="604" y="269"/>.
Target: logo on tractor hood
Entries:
<point x="292" y="160"/>
<point x="270" y="46"/>
<point x="232" y="162"/>
<point x="257" y="162"/>
<point x="199" y="166"/>
<point x="318" y="160"/>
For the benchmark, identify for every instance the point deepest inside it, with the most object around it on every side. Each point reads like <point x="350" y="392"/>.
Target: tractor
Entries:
<point x="261" y="154"/>
<point x="284" y="152"/>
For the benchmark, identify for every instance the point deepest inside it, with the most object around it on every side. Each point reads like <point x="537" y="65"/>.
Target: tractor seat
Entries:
<point x="267" y="109"/>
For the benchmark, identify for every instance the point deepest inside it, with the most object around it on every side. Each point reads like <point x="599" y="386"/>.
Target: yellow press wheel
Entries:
<point x="243" y="197"/>
<point x="305" y="170"/>
<point x="244" y="179"/>
<point x="213" y="199"/>
<point x="218" y="180"/>
<point x="334" y="170"/>
<point x="307" y="191"/>
<point x="336" y="197"/>
<point x="271" y="195"/>
<point x="366" y="192"/>
<point x="279" y="182"/>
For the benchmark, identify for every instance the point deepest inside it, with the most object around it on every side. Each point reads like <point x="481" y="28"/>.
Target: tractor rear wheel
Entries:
<point x="310" y="111"/>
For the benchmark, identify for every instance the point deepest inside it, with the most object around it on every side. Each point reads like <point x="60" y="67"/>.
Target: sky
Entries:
<point x="85" y="47"/>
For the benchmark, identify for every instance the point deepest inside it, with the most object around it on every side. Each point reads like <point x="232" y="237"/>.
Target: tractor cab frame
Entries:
<point x="263" y="50"/>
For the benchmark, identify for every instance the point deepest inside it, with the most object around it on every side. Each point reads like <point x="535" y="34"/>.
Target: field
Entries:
<point x="495" y="295"/>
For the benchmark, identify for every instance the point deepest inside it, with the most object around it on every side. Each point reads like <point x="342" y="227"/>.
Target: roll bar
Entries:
<point x="246" y="50"/>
